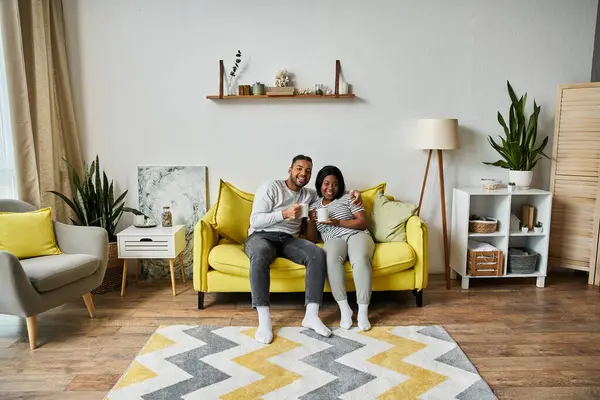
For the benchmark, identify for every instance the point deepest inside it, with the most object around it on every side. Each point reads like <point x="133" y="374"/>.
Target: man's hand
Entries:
<point x="356" y="198"/>
<point x="294" y="212"/>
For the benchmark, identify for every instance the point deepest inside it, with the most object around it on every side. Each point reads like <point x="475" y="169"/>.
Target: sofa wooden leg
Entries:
<point x="200" y="300"/>
<point x="89" y="303"/>
<point x="32" y="331"/>
<point x="419" y="296"/>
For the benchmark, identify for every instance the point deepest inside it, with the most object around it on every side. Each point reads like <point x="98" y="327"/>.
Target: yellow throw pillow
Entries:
<point x="368" y="197"/>
<point x="232" y="212"/>
<point x="28" y="234"/>
<point x="388" y="220"/>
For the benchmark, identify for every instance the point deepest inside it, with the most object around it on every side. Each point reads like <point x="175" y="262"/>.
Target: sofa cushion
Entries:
<point x="51" y="272"/>
<point x="232" y="212"/>
<point x="368" y="197"/>
<point x="230" y="259"/>
<point x="28" y="234"/>
<point x="388" y="220"/>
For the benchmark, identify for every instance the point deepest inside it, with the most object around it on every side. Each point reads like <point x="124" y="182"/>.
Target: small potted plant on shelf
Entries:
<point x="538" y="227"/>
<point x="511" y="186"/>
<point x="524" y="228"/>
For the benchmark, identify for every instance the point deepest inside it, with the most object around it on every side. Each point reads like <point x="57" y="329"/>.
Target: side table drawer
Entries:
<point x="147" y="247"/>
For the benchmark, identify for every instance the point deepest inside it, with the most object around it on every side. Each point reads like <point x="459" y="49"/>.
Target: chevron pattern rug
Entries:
<point x="212" y="362"/>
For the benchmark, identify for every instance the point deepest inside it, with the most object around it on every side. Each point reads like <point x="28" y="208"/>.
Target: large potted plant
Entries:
<point x="94" y="204"/>
<point x="518" y="148"/>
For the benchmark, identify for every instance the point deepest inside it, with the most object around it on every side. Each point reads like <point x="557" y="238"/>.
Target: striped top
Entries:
<point x="341" y="209"/>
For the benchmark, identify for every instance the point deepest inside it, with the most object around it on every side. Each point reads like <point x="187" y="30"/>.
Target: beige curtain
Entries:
<point x="43" y="119"/>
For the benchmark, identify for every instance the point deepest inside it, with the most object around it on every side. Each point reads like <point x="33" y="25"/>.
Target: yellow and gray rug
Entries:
<point x="212" y="362"/>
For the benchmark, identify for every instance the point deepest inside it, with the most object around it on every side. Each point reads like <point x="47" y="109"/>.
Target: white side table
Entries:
<point x="158" y="242"/>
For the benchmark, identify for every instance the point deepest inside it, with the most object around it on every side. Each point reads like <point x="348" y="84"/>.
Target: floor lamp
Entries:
<point x="438" y="134"/>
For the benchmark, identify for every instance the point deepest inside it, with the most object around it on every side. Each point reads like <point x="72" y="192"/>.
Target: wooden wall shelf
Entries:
<point x="336" y="92"/>
<point x="297" y="96"/>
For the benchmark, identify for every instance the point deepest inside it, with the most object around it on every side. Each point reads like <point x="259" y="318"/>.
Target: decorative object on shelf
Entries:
<point x="305" y="91"/>
<point x="167" y="217"/>
<point x="258" y="89"/>
<point x="184" y="188"/>
<point x="244" y="90"/>
<point x="538" y="228"/>
<point x="436" y="134"/>
<point x="519" y="149"/>
<point x="491" y="184"/>
<point x="524" y="228"/>
<point x="483" y="259"/>
<point x="233" y="73"/>
<point x="96" y="205"/>
<point x="511" y="186"/>
<point x="528" y="215"/>
<point x="521" y="260"/>
<point x="319" y="89"/>
<point x="282" y="78"/>
<point x="482" y="224"/>
<point x="282" y="92"/>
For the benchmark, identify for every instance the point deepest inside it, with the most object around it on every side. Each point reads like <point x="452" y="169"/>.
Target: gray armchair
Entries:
<point x="31" y="286"/>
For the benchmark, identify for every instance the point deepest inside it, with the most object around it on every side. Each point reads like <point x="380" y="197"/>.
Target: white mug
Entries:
<point x="323" y="214"/>
<point x="304" y="212"/>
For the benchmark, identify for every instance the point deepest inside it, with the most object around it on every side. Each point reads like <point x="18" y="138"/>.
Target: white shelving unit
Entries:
<point x="499" y="204"/>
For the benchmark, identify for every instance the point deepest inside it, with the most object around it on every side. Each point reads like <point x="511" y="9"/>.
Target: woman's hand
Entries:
<point x="331" y="221"/>
<point x="312" y="215"/>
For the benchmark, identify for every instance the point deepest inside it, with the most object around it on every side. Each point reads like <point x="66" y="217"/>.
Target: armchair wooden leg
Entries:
<point x="89" y="303"/>
<point x="32" y="331"/>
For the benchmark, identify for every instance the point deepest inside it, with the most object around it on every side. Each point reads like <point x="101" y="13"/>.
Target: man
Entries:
<point x="275" y="224"/>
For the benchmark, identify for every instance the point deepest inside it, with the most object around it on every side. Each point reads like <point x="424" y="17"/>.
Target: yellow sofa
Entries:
<point x="220" y="264"/>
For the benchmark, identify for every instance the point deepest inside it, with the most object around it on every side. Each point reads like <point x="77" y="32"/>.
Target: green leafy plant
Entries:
<point x="94" y="202"/>
<point x="518" y="149"/>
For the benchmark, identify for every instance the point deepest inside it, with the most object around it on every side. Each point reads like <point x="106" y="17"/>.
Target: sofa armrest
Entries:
<point x="416" y="235"/>
<point x="73" y="239"/>
<point x="205" y="238"/>
<point x="19" y="297"/>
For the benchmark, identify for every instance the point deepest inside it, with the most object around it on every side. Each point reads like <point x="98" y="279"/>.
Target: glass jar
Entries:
<point x="167" y="217"/>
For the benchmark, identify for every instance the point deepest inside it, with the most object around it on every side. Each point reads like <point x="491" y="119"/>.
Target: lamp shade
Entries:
<point x="438" y="134"/>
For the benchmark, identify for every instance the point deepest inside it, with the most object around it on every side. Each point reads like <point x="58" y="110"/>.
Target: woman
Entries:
<point x="345" y="236"/>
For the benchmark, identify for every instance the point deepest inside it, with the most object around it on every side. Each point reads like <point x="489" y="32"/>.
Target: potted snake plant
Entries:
<point x="94" y="204"/>
<point x="519" y="148"/>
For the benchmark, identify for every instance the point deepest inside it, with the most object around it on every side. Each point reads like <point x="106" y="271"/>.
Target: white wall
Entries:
<point x="142" y="68"/>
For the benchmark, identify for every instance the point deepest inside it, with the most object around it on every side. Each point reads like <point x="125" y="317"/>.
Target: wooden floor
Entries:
<point x="527" y="343"/>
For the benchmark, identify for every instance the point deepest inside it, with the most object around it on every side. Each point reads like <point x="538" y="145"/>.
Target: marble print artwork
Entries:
<point x="183" y="188"/>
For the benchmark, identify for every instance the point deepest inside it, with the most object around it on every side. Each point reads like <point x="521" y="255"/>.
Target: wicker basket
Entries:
<point x="521" y="260"/>
<point x="114" y="272"/>
<point x="487" y="225"/>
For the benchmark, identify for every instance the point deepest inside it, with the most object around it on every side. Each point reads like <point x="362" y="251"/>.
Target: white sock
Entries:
<point x="264" y="333"/>
<point x="345" y="314"/>
<point x="363" y="317"/>
<point x="311" y="320"/>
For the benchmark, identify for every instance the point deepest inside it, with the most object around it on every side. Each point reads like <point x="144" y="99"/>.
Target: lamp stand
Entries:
<point x="443" y="201"/>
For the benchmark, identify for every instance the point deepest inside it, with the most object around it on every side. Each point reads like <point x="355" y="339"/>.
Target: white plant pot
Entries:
<point x="537" y="229"/>
<point x="522" y="179"/>
<point x="524" y="230"/>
